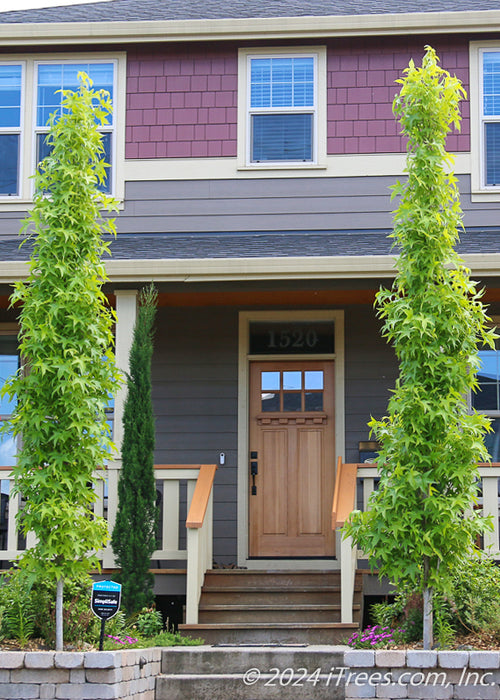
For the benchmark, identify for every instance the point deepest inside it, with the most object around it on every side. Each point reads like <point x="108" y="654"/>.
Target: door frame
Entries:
<point x="244" y="359"/>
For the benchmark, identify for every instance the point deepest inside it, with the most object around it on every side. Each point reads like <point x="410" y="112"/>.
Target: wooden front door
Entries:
<point x="292" y="428"/>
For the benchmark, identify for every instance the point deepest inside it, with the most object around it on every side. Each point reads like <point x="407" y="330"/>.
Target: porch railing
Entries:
<point x="353" y="487"/>
<point x="184" y="497"/>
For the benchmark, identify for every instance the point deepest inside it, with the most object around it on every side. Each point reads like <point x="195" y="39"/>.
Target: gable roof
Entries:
<point x="165" y="10"/>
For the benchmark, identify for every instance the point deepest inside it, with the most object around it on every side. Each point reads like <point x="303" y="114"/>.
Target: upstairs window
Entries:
<point x="282" y="108"/>
<point x="491" y="117"/>
<point x="54" y="77"/>
<point x="11" y="82"/>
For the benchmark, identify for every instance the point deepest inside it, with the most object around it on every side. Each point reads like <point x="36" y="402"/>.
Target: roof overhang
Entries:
<point x="246" y="269"/>
<point x="67" y="33"/>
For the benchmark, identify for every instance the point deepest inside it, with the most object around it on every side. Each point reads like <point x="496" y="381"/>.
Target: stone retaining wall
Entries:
<point x="68" y="675"/>
<point x="464" y="675"/>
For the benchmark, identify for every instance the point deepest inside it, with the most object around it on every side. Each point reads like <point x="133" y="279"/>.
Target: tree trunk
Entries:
<point x="428" y="617"/>
<point x="59" y="614"/>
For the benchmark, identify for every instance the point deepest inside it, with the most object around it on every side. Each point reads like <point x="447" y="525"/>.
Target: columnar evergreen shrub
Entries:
<point x="134" y="534"/>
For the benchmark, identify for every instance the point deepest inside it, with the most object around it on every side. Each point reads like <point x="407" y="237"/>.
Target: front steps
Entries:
<point x="288" y="673"/>
<point x="261" y="607"/>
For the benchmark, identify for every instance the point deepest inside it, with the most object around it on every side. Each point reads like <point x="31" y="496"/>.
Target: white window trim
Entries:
<point x="17" y="129"/>
<point x="28" y="121"/>
<point x="319" y="135"/>
<point x="480" y="191"/>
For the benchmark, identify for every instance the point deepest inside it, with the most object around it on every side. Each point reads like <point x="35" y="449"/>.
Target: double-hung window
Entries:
<point x="51" y="79"/>
<point x="30" y="93"/>
<point x="11" y="104"/>
<point x="490" y="108"/>
<point x="282" y="107"/>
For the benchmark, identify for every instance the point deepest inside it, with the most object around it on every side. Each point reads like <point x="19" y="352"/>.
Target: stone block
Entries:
<point x="392" y="691"/>
<point x="36" y="675"/>
<point x="484" y="659"/>
<point x="102" y="659"/>
<point x="390" y="658"/>
<point x="420" y="658"/>
<point x="477" y="692"/>
<point x="359" y="658"/>
<point x="431" y="692"/>
<point x="11" y="659"/>
<point x="39" y="659"/>
<point x="48" y="691"/>
<point x="362" y="691"/>
<point x="103" y="675"/>
<point x="68" y="659"/>
<point x="20" y="691"/>
<point x="76" y="675"/>
<point x="453" y="659"/>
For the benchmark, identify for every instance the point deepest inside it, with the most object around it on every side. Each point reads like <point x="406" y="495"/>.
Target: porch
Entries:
<point x="234" y="605"/>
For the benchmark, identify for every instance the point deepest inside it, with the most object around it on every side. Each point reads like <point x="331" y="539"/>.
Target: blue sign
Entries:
<point x="106" y="597"/>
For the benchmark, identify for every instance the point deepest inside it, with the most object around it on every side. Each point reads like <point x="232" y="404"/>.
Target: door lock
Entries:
<point x="254" y="470"/>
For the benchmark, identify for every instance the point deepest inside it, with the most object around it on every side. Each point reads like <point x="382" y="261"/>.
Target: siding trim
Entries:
<point x="245" y="317"/>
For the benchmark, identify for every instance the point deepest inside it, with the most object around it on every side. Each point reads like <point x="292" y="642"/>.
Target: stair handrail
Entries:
<point x="199" y="524"/>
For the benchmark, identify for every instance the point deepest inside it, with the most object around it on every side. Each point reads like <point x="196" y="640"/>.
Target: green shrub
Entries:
<point x="148" y="622"/>
<point x="18" y="606"/>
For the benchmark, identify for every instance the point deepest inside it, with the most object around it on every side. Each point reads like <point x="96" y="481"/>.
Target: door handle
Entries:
<point x="254" y="470"/>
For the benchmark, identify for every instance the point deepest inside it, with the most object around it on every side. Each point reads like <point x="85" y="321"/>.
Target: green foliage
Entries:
<point x="474" y="600"/>
<point x="66" y="342"/>
<point x="164" y="639"/>
<point x="19" y="611"/>
<point x="418" y="526"/>
<point x="134" y="534"/>
<point x="149" y="622"/>
<point x="79" y="623"/>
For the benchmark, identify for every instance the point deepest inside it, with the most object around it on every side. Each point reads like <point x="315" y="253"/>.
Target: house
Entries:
<point x="252" y="148"/>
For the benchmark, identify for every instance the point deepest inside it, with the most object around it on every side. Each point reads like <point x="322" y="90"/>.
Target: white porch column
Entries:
<point x="126" y="311"/>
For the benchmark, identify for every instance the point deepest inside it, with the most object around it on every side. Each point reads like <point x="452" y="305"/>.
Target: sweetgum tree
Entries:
<point x="419" y="524"/>
<point x="134" y="534"/>
<point x="66" y="344"/>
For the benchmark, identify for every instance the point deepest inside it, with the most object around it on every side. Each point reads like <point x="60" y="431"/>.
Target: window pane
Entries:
<point x="270" y="381"/>
<point x="292" y="380"/>
<point x="491" y="83"/>
<point x="492" y="441"/>
<point x="278" y="137"/>
<point x="54" y="77"/>
<point x="9" y="158"/>
<point x="488" y="376"/>
<point x="10" y="96"/>
<point x="270" y="402"/>
<point x="314" y="401"/>
<point x="282" y="82"/>
<point x="8" y="450"/>
<point x="292" y="401"/>
<point x="314" y="379"/>
<point x="43" y="149"/>
<point x="9" y="365"/>
<point x="492" y="153"/>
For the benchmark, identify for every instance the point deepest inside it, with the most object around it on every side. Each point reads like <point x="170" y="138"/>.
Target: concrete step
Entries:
<point x="271" y="632"/>
<point x="283" y="579"/>
<point x="285" y="672"/>
<point x="233" y="687"/>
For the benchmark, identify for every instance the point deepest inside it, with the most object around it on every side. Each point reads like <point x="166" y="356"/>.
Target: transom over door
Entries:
<point x="292" y="428"/>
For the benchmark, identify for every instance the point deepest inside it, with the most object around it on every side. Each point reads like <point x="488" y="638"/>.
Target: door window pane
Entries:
<point x="314" y="379"/>
<point x="314" y="401"/>
<point x="292" y="401"/>
<point x="270" y="401"/>
<point x="292" y="380"/>
<point x="270" y="381"/>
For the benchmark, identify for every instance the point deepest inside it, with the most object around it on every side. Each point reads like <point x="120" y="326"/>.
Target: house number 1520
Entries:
<point x="293" y="338"/>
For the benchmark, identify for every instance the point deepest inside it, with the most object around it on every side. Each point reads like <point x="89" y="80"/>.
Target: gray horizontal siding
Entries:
<point x="295" y="204"/>
<point x="195" y="393"/>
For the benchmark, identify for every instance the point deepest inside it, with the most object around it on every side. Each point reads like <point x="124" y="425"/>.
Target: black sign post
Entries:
<point x="106" y="596"/>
